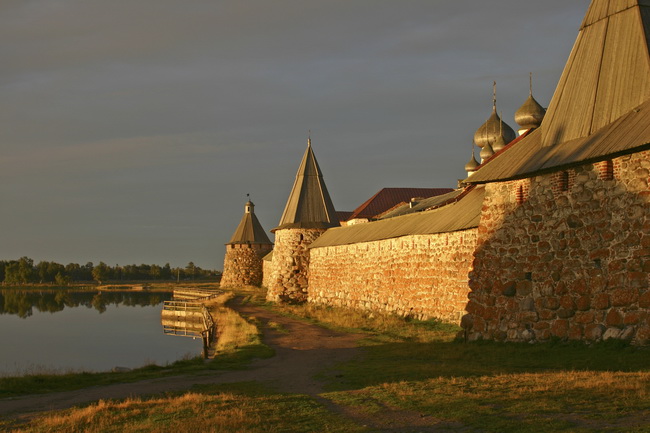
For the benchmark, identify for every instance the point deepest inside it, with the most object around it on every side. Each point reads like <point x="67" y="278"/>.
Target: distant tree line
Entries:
<point x="22" y="303"/>
<point x="24" y="271"/>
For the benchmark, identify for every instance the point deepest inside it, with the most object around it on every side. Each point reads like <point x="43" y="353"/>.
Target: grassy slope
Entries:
<point x="413" y="366"/>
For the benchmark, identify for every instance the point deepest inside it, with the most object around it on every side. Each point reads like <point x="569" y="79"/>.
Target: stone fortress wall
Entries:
<point x="288" y="271"/>
<point x="267" y="272"/>
<point x="565" y="255"/>
<point x="420" y="276"/>
<point x="242" y="265"/>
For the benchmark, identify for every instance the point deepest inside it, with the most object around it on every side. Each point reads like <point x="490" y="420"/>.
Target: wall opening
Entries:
<point x="607" y="170"/>
<point x="519" y="194"/>
<point x="563" y="181"/>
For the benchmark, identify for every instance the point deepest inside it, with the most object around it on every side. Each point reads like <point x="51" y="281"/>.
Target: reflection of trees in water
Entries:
<point x="21" y="303"/>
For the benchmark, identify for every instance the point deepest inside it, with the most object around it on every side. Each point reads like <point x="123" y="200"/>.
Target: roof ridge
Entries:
<point x="309" y="203"/>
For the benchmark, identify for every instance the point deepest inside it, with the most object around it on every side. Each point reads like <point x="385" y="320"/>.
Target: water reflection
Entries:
<point x="182" y="318"/>
<point x="85" y="331"/>
<point x="23" y="302"/>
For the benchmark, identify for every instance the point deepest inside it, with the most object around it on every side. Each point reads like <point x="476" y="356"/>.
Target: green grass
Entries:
<point x="389" y="362"/>
<point x="416" y="366"/>
<point x="232" y="408"/>
<point x="44" y="383"/>
<point x="541" y="402"/>
<point x="407" y="369"/>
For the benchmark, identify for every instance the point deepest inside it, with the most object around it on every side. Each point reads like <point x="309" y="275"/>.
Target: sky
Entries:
<point x="132" y="130"/>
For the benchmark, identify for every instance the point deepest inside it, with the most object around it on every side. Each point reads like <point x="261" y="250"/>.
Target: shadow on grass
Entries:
<point x="413" y="361"/>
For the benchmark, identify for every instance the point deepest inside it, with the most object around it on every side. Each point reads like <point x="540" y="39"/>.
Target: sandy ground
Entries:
<point x="302" y="351"/>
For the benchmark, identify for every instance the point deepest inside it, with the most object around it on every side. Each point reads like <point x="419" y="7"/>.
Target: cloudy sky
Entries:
<point x="132" y="130"/>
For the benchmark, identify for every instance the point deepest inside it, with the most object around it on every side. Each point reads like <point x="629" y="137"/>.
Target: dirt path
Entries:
<point x="302" y="350"/>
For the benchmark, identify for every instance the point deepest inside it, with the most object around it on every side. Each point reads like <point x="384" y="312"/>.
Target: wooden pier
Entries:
<point x="187" y="316"/>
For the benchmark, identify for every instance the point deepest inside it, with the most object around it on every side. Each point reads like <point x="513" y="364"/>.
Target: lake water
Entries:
<point x="60" y="331"/>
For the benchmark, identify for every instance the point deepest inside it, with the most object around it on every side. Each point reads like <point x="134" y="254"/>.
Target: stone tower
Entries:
<point x="242" y="265"/>
<point x="308" y="213"/>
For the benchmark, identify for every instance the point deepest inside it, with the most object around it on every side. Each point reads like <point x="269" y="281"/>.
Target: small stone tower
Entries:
<point x="242" y="265"/>
<point x="308" y="213"/>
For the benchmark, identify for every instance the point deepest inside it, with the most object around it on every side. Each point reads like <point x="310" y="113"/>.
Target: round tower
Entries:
<point x="242" y="265"/>
<point x="309" y="212"/>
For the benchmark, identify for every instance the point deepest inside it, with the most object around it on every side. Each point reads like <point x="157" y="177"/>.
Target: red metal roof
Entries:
<point x="388" y="198"/>
<point x="343" y="215"/>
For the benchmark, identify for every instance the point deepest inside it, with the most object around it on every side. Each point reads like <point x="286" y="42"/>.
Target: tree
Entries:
<point x="61" y="280"/>
<point x="155" y="272"/>
<point x="100" y="272"/>
<point x="20" y="272"/>
<point x="166" y="272"/>
<point x="190" y="269"/>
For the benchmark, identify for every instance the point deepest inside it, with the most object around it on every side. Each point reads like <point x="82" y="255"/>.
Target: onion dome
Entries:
<point x="486" y="152"/>
<point x="530" y="114"/>
<point x="489" y="131"/>
<point x="473" y="164"/>
<point x="500" y="142"/>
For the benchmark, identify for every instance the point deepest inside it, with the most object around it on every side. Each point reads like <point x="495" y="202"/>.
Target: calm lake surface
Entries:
<point x="60" y="331"/>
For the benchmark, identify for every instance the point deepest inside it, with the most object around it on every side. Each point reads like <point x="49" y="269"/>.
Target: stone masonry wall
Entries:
<point x="421" y="276"/>
<point x="565" y="255"/>
<point x="267" y="273"/>
<point x="242" y="265"/>
<point x="290" y="265"/>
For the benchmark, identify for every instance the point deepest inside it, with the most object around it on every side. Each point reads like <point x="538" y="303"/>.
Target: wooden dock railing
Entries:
<point x="188" y="306"/>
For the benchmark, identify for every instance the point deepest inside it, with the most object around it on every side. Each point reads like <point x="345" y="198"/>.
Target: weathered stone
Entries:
<point x="467" y="322"/>
<point x="634" y="317"/>
<point x="584" y="317"/>
<point x="583" y="303"/>
<point x="560" y="328"/>
<point x="243" y="264"/>
<point x="628" y="333"/>
<point x="418" y="275"/>
<point x="644" y="300"/>
<point x="612" y="333"/>
<point x="601" y="301"/>
<point x="623" y="297"/>
<point x="528" y="304"/>
<point x="643" y="335"/>
<point x="510" y="289"/>
<point x="614" y="318"/>
<point x="576" y="332"/>
<point x="594" y="332"/>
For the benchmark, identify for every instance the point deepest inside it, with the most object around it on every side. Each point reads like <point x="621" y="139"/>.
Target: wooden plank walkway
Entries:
<point x="187" y="316"/>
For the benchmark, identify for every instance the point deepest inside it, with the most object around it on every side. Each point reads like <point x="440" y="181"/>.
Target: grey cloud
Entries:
<point x="131" y="130"/>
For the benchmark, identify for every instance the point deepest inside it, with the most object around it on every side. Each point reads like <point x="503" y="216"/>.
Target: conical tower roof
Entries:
<point x="608" y="72"/>
<point x="250" y="230"/>
<point x="309" y="204"/>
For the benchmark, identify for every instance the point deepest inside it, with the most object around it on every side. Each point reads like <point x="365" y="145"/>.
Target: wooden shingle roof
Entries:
<point x="459" y="215"/>
<point x="605" y="86"/>
<point x="607" y="74"/>
<point x="309" y="204"/>
<point x="249" y="230"/>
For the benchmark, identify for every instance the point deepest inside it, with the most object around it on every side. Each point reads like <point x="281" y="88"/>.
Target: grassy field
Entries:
<point x="412" y="375"/>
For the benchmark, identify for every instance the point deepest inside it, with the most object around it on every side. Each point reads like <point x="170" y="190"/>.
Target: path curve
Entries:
<point x="301" y="351"/>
